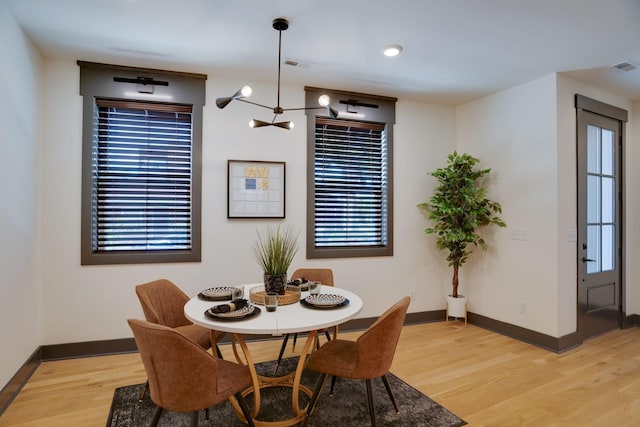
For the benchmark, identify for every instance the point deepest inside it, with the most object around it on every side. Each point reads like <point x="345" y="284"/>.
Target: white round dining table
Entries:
<point x="286" y="319"/>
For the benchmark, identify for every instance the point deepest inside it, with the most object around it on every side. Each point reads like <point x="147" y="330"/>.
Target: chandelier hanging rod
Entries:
<point x="279" y="24"/>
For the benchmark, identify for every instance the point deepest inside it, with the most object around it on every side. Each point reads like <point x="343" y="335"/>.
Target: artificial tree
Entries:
<point x="457" y="208"/>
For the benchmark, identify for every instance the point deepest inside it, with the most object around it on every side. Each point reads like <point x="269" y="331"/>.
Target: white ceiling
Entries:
<point x="454" y="50"/>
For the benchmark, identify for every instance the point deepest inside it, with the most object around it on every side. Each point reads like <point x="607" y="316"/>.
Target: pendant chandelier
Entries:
<point x="280" y="25"/>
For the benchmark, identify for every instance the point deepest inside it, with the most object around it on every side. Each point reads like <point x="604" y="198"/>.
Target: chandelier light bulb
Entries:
<point x="252" y="124"/>
<point x="246" y="91"/>
<point x="324" y="100"/>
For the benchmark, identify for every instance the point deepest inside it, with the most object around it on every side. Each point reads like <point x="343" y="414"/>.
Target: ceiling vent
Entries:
<point x="626" y="66"/>
<point x="296" y="63"/>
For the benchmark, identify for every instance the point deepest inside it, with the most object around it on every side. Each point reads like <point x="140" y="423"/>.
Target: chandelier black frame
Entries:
<point x="279" y="24"/>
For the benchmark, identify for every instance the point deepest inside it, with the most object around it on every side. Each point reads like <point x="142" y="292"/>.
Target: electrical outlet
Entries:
<point x="519" y="234"/>
<point x="523" y="307"/>
<point x="412" y="294"/>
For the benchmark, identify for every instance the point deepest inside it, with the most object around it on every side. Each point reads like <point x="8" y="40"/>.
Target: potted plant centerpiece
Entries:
<point x="457" y="208"/>
<point x="274" y="251"/>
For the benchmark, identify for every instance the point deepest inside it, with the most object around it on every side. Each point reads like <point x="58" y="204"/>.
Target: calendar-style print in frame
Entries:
<point x="255" y="189"/>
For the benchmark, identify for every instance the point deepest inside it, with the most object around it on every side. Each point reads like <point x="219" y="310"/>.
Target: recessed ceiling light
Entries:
<point x="392" y="50"/>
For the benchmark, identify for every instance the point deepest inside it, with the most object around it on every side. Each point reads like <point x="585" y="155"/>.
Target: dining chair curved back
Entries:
<point x="368" y="357"/>
<point x="322" y="275"/>
<point x="163" y="303"/>
<point x="184" y="377"/>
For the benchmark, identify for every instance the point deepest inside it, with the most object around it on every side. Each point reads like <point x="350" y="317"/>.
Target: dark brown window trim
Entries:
<point x="380" y="111"/>
<point x="97" y="81"/>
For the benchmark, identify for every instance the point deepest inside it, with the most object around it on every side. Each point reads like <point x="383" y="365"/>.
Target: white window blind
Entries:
<point x="351" y="184"/>
<point x="142" y="173"/>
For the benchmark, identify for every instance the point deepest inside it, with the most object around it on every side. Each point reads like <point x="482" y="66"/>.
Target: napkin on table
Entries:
<point x="297" y="282"/>
<point x="236" y="304"/>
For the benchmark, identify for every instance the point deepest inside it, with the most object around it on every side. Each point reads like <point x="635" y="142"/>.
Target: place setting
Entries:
<point x="317" y="299"/>
<point x="237" y="308"/>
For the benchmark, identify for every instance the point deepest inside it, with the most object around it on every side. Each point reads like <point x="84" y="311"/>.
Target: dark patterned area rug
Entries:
<point x="348" y="406"/>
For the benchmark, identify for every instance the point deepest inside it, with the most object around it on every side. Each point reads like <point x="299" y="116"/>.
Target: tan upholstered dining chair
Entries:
<point x="322" y="275"/>
<point x="163" y="303"/>
<point x="366" y="358"/>
<point x="183" y="376"/>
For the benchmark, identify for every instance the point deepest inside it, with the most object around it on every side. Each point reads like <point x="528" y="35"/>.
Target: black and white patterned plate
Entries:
<point x="219" y="293"/>
<point x="325" y="300"/>
<point x="304" y="303"/>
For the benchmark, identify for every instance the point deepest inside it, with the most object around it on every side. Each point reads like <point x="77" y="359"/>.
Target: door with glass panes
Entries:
<point x="599" y="224"/>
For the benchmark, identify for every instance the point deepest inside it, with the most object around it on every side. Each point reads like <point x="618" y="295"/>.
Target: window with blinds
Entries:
<point x="351" y="184"/>
<point x="141" y="170"/>
<point x="141" y="165"/>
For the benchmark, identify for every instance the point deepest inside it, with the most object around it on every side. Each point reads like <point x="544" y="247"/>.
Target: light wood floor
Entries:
<point x="483" y="377"/>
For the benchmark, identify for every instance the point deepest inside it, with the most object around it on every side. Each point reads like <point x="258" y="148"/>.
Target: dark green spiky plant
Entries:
<point x="275" y="248"/>
<point x="458" y="208"/>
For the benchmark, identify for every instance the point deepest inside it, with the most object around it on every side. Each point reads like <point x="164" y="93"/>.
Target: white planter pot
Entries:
<point x="457" y="307"/>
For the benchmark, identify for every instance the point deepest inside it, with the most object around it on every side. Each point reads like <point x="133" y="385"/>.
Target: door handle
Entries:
<point x="583" y="259"/>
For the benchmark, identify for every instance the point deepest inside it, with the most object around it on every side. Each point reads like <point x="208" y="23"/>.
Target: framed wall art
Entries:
<point x="256" y="189"/>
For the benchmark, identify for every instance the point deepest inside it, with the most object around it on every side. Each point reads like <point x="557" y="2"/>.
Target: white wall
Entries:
<point x="424" y="136"/>
<point x="85" y="303"/>
<point x="513" y="132"/>
<point x="19" y="268"/>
